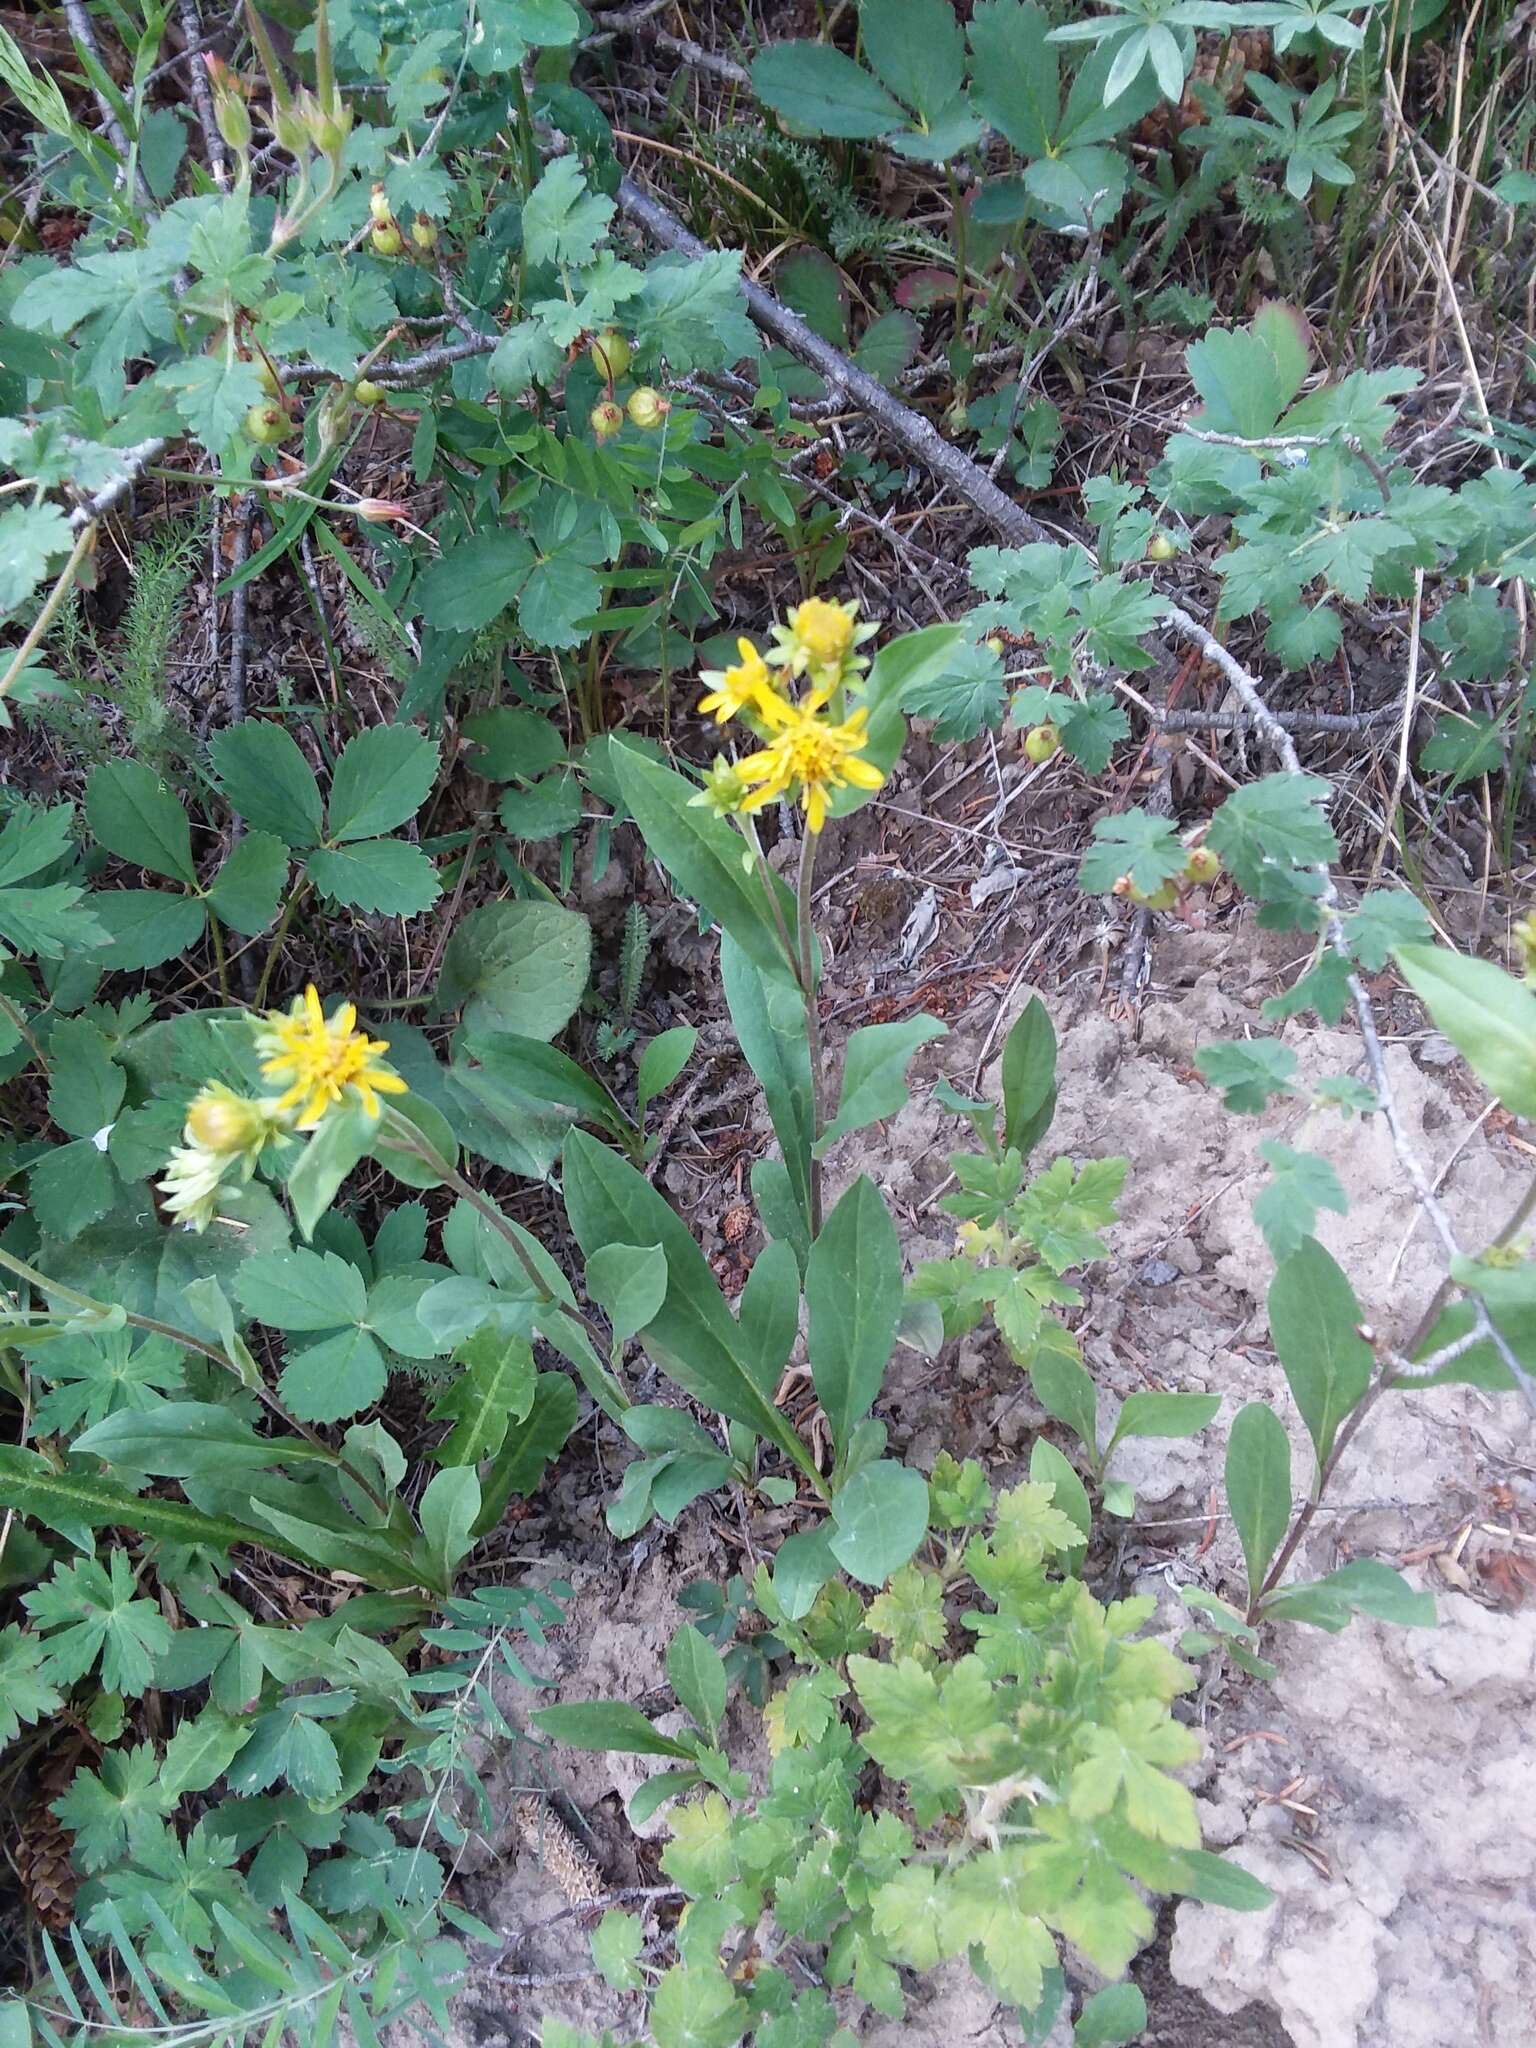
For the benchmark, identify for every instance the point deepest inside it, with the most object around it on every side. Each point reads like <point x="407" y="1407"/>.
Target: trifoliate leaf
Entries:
<point x="245" y="893"/>
<point x="336" y="1378"/>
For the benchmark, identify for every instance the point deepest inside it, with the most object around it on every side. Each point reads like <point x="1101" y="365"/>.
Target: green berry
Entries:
<point x="605" y="420"/>
<point x="609" y="354"/>
<point x="1042" y="743"/>
<point x="268" y="424"/>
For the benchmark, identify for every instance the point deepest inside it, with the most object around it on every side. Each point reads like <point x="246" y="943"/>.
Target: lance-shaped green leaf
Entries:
<point x="768" y="1013"/>
<point x="1487" y="1015"/>
<point x="694" y="1337"/>
<point x="853" y="1292"/>
<point x="875" y="1073"/>
<point x="65" y="1500"/>
<point x="1259" y="1487"/>
<point x="1314" y="1320"/>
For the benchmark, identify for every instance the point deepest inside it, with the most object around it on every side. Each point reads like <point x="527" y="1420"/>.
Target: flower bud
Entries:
<point x="386" y="238"/>
<point x="380" y="511"/>
<point x="289" y="128"/>
<point x="231" y="115"/>
<point x="221" y="1121"/>
<point x="424" y="233"/>
<point x="1202" y="867"/>
<point x="605" y="420"/>
<point x="646" y="407"/>
<point x="1524" y="942"/>
<point x="378" y="207"/>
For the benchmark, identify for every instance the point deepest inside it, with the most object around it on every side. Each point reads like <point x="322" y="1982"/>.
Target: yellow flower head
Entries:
<point x="746" y="687"/>
<point x="819" y="641"/>
<point x="1524" y="946"/>
<point x="219" y="1120"/>
<point x="810" y="755"/>
<point x="320" y="1060"/>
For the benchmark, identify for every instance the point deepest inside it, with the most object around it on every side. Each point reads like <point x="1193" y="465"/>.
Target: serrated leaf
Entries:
<point x="494" y="1390"/>
<point x="474" y="580"/>
<point x="32" y="539"/>
<point x="135" y="816"/>
<point x="1277" y="819"/>
<point x="334" y="1379"/>
<point x="302" y="1290"/>
<point x="382" y="778"/>
<point x="246" y="891"/>
<point x="563" y="221"/>
<point x="212" y="394"/>
<point x="822" y="92"/>
<point x="265" y="777"/>
<point x="385" y="876"/>
<point x="692" y="315"/>
<point x="1285" y="1209"/>
<point x="1147" y="849"/>
<point x="145" y="927"/>
<point x="1248" y="1071"/>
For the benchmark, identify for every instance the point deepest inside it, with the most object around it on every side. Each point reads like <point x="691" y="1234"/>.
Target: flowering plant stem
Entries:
<point x="807" y="975"/>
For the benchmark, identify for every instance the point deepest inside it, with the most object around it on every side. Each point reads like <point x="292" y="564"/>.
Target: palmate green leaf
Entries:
<point x="695" y="2007"/>
<point x="92" y="1377"/>
<point x="25" y="1694"/>
<point x="1383" y="920"/>
<point x="1277" y="819"/>
<point x="922" y="1723"/>
<point x="114" y="1811"/>
<point x="1247" y="1071"/>
<point x="32" y="539"/>
<point x="691" y="314"/>
<point x="1147" y="849"/>
<point x="1127" y="1761"/>
<point x="213" y="393"/>
<point x="385" y="876"/>
<point x="494" y="1390"/>
<point x="1300" y="1184"/>
<point x="382" y="778"/>
<point x="135" y="816"/>
<point x="265" y="778"/>
<point x="288" y="1743"/>
<point x="563" y="221"/>
<point x="88" y="1613"/>
<point x="616" y="1941"/>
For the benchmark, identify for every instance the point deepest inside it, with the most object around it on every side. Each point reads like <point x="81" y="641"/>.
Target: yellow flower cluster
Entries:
<point x="805" y="753"/>
<point x="318" y="1061"/>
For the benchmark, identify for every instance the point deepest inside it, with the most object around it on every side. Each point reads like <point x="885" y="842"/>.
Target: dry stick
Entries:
<point x="80" y="28"/>
<point x="202" y="92"/>
<point x="1410" y="697"/>
<point x="239" y="597"/>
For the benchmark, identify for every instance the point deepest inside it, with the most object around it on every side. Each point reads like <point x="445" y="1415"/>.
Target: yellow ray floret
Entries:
<point x="317" y="1060"/>
<point x="810" y="755"/>
<point x="746" y="687"/>
<point x="820" y="642"/>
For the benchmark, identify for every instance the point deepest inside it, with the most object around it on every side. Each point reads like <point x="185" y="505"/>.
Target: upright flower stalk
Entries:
<point x="811" y="747"/>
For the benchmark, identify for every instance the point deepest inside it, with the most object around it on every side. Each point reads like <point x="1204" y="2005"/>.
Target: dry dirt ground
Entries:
<point x="1384" y="1785"/>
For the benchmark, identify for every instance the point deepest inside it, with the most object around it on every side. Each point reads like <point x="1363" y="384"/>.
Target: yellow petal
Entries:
<point x="864" y="774"/>
<point x="815" y="806"/>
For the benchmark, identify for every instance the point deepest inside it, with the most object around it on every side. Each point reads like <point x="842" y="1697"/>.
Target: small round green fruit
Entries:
<point x="366" y="392"/>
<point x="646" y="407"/>
<point x="605" y="419"/>
<point x="424" y="233"/>
<point x="1042" y="743"/>
<point x="609" y="354"/>
<point x="1162" y="547"/>
<point x="267" y="424"/>
<point x="386" y="238"/>
<point x="1202" y="867"/>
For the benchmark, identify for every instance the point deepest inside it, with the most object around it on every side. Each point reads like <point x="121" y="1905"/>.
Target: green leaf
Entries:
<point x="629" y="1283"/>
<point x="696" y="1672"/>
<point x="1111" y="2017"/>
<point x="146" y="927"/>
<point x="71" y="1187"/>
<point x="543" y="810"/>
<point x="663" y="1059"/>
<point x="1048" y="1467"/>
<point x="691" y="314"/>
<point x="1367" y="1586"/>
<point x="1014" y="78"/>
<point x="344" y="1137"/>
<point x="768" y="1014"/>
<point x="32" y="539"/>
<point x="703" y="855"/>
<point x="607" y="1724"/>
<point x="245" y="893"/>
<point x="1314" y="1323"/>
<point x="695" y="2007"/>
<point x="880" y="1517"/>
<point x="694" y="1338"/>
<point x="1247" y="1071"/>
<point x="494" y="1390"/>
<point x="1383" y="920"/>
<point x="334" y="1379"/>
<point x="1478" y="636"/>
<point x="302" y="1290"/>
<point x="616" y="1941"/>
<point x="200" y="1752"/>
<point x="1286" y="1208"/>
<point x="473" y="581"/>
<point x="266" y="779"/>
<point x="1259" y="1487"/>
<point x="1487" y="1015"/>
<point x="382" y="778"/>
<point x="386" y="876"/>
<point x="853" y="1295"/>
<point x="769" y="1311"/>
<point x="1163" y="1415"/>
<point x="1274" y="820"/>
<point x="518" y="967"/>
<point x="25" y="1695"/>
<point x="116" y="1811"/>
<point x="213" y="394"/>
<point x="819" y="91"/>
<point x="563" y="222"/>
<point x="1029" y="1078"/>
<point x="62" y="1500"/>
<point x="875" y="1073"/>
<point x="1145" y="848"/>
<point x="513" y="744"/>
<point x="135" y="816"/>
<point x="528" y="1447"/>
<point x="85" y="1086"/>
<point x="1065" y="1391"/>
<point x="448" y="1512"/>
<point x="1248" y="376"/>
<point x="88" y="1612"/>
